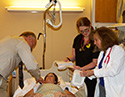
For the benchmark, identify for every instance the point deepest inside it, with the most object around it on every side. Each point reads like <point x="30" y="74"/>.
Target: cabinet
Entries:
<point x="105" y="11"/>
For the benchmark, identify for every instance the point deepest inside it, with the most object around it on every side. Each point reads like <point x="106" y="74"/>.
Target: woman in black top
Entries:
<point x="83" y="52"/>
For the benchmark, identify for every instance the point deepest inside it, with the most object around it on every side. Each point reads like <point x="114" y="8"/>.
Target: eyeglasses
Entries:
<point x="85" y="31"/>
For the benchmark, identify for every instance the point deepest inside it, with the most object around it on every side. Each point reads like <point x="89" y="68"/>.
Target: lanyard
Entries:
<point x="83" y="45"/>
<point x="108" y="57"/>
<point x="100" y="65"/>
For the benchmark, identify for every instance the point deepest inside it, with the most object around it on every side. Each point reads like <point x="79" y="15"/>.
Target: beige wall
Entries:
<point x="59" y="43"/>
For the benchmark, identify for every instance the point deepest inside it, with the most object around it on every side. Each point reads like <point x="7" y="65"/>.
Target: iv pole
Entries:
<point x="49" y="22"/>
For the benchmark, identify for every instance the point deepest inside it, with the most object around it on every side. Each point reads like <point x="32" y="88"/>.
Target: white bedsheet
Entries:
<point x="30" y="83"/>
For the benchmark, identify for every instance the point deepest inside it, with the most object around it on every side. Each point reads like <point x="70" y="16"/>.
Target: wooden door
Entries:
<point x="105" y="11"/>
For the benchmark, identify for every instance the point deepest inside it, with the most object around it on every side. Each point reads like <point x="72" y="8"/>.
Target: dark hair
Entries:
<point x="107" y="36"/>
<point x="28" y="33"/>
<point x="56" y="78"/>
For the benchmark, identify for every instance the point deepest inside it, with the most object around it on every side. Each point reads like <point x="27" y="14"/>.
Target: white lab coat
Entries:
<point x="113" y="72"/>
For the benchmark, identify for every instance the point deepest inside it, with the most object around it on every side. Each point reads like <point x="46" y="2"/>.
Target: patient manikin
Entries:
<point x="50" y="88"/>
<point x="53" y="87"/>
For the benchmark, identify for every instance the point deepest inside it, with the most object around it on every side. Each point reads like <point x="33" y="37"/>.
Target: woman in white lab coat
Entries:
<point x="110" y="69"/>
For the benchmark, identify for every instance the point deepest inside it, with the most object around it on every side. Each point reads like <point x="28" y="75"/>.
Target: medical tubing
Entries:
<point x="44" y="34"/>
<point x="48" y="6"/>
<point x="60" y="11"/>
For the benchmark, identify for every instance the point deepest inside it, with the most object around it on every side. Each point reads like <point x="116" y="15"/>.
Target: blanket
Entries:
<point x="48" y="90"/>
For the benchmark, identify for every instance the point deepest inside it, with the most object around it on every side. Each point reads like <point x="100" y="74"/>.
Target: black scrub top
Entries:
<point x="84" y="57"/>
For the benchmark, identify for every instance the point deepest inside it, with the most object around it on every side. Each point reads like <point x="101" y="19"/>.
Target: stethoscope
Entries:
<point x="108" y="57"/>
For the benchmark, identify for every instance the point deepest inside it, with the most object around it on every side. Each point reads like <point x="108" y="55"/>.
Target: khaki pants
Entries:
<point x="3" y="87"/>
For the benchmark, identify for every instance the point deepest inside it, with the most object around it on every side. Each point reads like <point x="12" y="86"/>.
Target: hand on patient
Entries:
<point x="59" y="94"/>
<point x="40" y="80"/>
<point x="66" y="94"/>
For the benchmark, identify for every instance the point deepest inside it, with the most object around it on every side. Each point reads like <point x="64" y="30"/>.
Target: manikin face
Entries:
<point x="50" y="78"/>
<point x="97" y="40"/>
<point x="85" y="30"/>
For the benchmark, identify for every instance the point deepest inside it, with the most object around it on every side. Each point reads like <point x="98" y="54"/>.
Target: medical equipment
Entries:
<point x="63" y="79"/>
<point x="63" y="73"/>
<point x="121" y="30"/>
<point x="64" y="65"/>
<point x="77" y="80"/>
<point x="50" y="22"/>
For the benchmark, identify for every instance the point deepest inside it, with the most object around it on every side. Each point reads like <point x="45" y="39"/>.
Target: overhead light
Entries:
<point x="35" y="9"/>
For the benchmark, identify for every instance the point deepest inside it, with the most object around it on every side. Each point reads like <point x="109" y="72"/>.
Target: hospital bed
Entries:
<point x="63" y="73"/>
<point x="64" y="77"/>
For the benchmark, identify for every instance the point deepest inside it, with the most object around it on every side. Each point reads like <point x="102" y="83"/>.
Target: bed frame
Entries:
<point x="63" y="73"/>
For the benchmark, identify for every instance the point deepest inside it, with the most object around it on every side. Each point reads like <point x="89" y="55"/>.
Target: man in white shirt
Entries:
<point x="12" y="51"/>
